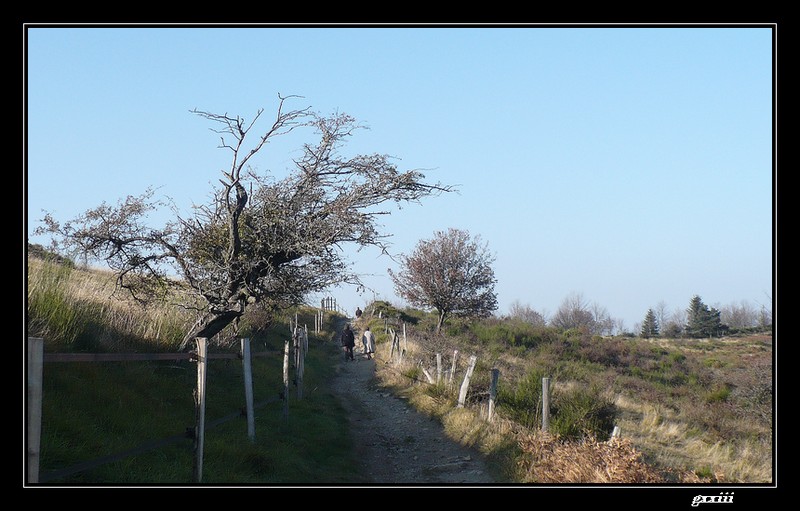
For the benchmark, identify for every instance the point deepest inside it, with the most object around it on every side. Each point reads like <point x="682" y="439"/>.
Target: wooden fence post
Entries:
<point x="395" y="345"/>
<point x="426" y="373"/>
<point x="200" y="408"/>
<point x="545" y="404"/>
<point x="295" y="346"/>
<point x="493" y="392"/>
<point x="286" y="379"/>
<point x="462" y="395"/>
<point x="453" y="366"/>
<point x="248" y="388"/>
<point x="302" y="343"/>
<point x="438" y="368"/>
<point x="34" y="413"/>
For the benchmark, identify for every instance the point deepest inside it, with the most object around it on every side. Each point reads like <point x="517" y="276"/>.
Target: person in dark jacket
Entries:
<point x="348" y="342"/>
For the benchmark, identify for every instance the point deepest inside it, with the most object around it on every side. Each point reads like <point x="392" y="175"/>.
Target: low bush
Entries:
<point x="521" y="401"/>
<point x="580" y="412"/>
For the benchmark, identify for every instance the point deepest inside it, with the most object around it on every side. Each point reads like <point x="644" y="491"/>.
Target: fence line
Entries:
<point x="36" y="359"/>
<point x="141" y="357"/>
<point x="464" y="389"/>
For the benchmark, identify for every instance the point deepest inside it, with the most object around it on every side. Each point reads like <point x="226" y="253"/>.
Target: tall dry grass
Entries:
<point x="78" y="308"/>
<point x="666" y="436"/>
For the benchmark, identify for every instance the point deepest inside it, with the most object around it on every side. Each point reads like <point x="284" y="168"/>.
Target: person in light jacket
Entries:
<point x="368" y="340"/>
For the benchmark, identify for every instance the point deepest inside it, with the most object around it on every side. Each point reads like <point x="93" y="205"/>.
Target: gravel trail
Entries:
<point x="396" y="444"/>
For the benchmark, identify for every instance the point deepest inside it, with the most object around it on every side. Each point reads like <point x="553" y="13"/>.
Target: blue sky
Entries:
<point x="630" y="165"/>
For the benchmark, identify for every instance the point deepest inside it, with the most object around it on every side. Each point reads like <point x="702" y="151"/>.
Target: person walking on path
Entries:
<point x="348" y="342"/>
<point x="368" y="340"/>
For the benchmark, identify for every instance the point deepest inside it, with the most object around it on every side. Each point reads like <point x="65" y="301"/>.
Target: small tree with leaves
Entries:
<point x="650" y="325"/>
<point x="260" y="241"/>
<point x="451" y="273"/>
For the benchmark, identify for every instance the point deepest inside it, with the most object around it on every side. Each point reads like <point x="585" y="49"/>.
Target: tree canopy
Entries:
<point x="576" y="312"/>
<point x="702" y="320"/>
<point x="259" y="240"/>
<point x="650" y="325"/>
<point x="450" y="273"/>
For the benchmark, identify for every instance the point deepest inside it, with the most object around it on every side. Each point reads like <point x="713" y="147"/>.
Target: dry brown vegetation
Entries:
<point x="670" y="432"/>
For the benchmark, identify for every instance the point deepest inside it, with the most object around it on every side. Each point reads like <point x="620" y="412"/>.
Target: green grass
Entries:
<point x="97" y="410"/>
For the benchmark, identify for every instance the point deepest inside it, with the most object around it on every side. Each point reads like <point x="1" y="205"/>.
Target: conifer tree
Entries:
<point x="703" y="321"/>
<point x="650" y="325"/>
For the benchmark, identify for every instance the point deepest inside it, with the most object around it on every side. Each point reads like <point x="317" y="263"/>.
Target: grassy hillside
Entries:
<point x="110" y="414"/>
<point x="688" y="410"/>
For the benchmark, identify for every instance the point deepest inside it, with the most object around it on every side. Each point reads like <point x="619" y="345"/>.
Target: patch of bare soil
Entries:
<point x="396" y="444"/>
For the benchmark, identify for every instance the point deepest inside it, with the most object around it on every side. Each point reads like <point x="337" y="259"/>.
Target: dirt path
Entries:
<point x="396" y="444"/>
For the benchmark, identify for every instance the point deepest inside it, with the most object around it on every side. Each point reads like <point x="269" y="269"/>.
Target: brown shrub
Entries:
<point x="547" y="459"/>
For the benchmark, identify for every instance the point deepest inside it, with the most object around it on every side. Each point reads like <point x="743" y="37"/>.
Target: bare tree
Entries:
<point x="450" y="273"/>
<point x="662" y="313"/>
<point x="603" y="322"/>
<point x="259" y="240"/>
<point x="742" y="315"/>
<point x="576" y="312"/>
<point x="674" y="325"/>
<point x="525" y="313"/>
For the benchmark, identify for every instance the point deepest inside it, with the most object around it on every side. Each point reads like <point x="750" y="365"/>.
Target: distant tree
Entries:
<point x="672" y="330"/>
<point x="650" y="325"/>
<point x="765" y="314"/>
<point x="604" y="324"/>
<point x="742" y="315"/>
<point x="451" y="273"/>
<point x="619" y="328"/>
<point x="674" y="324"/>
<point x="259" y="241"/>
<point x="702" y="320"/>
<point x="764" y="317"/>
<point x="526" y="313"/>
<point x="662" y="316"/>
<point x="574" y="312"/>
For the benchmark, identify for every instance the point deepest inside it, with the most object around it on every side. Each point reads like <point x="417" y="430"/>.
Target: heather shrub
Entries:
<point x="512" y="333"/>
<point x="521" y="401"/>
<point x="582" y="412"/>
